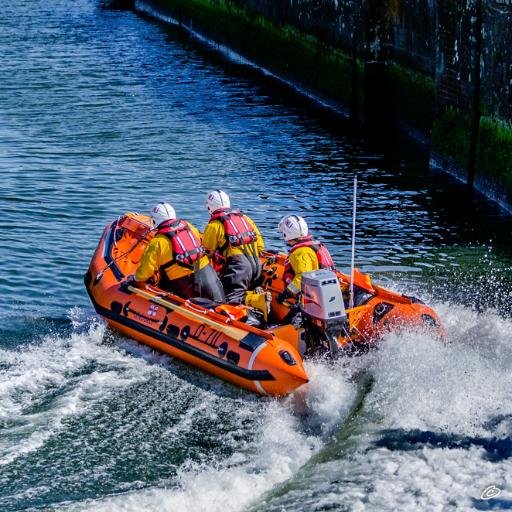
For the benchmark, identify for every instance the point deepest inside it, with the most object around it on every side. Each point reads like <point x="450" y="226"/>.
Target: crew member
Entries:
<point x="305" y="254"/>
<point x="177" y="255"/>
<point x="234" y="243"/>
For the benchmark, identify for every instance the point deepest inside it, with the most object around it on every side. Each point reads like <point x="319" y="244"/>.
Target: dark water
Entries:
<point x="102" y="112"/>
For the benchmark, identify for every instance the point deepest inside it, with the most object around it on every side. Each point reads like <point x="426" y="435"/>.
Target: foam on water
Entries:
<point x="434" y="431"/>
<point x="46" y="382"/>
<point x="70" y="397"/>
<point x="235" y="481"/>
<point x="327" y="399"/>
<point x="284" y="442"/>
<point x="453" y="387"/>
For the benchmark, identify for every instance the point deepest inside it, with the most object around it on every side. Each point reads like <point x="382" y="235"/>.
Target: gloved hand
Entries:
<point x="268" y="295"/>
<point x="286" y="294"/>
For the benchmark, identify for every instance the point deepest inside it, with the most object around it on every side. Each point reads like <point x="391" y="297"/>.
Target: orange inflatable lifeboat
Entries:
<point x="218" y="339"/>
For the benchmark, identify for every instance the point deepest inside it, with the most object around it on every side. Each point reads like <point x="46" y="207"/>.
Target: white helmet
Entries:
<point x="292" y="227"/>
<point x="162" y="212"/>
<point x="216" y="199"/>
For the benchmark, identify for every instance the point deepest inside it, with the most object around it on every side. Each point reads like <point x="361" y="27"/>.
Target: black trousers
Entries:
<point x="202" y="283"/>
<point x="240" y="274"/>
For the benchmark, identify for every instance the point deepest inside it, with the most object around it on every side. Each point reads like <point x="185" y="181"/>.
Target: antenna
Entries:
<point x="354" y="209"/>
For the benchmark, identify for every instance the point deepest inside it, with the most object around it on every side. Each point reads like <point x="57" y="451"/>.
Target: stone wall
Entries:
<point x="497" y="59"/>
<point x="472" y="135"/>
<point x="494" y="150"/>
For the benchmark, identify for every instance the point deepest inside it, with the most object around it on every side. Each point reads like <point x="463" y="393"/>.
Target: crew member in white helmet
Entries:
<point x="305" y="254"/>
<point x="234" y="243"/>
<point x="178" y="256"/>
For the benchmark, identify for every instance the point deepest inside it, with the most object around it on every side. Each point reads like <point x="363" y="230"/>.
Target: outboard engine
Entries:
<point x="323" y="311"/>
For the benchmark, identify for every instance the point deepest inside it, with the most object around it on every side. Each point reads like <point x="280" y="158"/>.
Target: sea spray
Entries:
<point x="433" y="432"/>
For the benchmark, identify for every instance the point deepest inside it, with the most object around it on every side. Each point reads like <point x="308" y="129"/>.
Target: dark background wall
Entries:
<point x="444" y="67"/>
